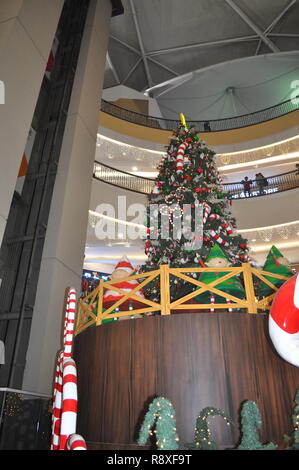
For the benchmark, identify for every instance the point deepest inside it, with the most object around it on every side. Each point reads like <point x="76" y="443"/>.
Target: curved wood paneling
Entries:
<point x="195" y="360"/>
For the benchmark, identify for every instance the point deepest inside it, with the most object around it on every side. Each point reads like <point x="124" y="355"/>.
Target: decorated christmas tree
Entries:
<point x="161" y="415"/>
<point x="188" y="211"/>
<point x="202" y="436"/>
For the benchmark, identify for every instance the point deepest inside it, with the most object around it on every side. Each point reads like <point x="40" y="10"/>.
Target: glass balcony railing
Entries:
<point x="235" y="190"/>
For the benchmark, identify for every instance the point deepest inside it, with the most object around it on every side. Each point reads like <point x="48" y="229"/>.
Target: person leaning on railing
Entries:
<point x="246" y="184"/>
<point x="261" y="182"/>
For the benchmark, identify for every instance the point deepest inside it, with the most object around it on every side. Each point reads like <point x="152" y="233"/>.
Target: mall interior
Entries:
<point x="92" y="93"/>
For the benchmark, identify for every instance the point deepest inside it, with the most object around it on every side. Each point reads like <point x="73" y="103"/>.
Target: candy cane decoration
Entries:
<point x="206" y="212"/>
<point x="214" y="217"/>
<point x="224" y="225"/>
<point x="180" y="157"/>
<point x="75" y="442"/>
<point x="218" y="239"/>
<point x="65" y="399"/>
<point x="284" y="321"/>
<point x="227" y="228"/>
<point x="243" y="258"/>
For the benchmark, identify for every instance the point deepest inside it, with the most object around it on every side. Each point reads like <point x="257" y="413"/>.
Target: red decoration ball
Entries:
<point x="242" y="246"/>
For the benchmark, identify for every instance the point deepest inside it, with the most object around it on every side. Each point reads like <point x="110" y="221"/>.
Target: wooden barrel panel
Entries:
<point x="195" y="360"/>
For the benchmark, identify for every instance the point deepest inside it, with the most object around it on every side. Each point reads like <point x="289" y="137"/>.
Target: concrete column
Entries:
<point x="27" y="30"/>
<point x="63" y="254"/>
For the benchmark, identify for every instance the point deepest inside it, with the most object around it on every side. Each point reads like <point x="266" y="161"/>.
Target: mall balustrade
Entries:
<point x="235" y="190"/>
<point x="212" y="125"/>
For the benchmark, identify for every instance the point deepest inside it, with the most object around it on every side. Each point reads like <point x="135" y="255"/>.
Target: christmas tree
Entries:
<point x="202" y="436"/>
<point x="251" y="422"/>
<point x="161" y="414"/>
<point x="188" y="212"/>
<point x="295" y="420"/>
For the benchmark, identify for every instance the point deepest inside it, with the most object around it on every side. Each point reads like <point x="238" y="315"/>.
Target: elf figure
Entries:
<point x="275" y="263"/>
<point x="233" y="286"/>
<point x="122" y="270"/>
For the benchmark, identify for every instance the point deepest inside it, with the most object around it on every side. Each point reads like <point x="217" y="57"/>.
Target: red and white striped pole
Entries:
<point x="180" y="157"/>
<point x="65" y="400"/>
<point x="212" y="301"/>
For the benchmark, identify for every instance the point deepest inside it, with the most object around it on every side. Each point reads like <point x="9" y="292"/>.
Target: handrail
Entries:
<point x="92" y="310"/>
<point x="122" y="179"/>
<point x="235" y="190"/>
<point x="207" y="125"/>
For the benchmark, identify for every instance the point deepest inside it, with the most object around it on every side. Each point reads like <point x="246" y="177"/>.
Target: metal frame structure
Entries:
<point x="262" y="36"/>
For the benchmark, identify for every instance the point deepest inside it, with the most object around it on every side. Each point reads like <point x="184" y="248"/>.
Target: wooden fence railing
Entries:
<point x="92" y="311"/>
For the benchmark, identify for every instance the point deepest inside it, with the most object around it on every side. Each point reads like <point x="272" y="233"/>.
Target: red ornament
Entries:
<point x="243" y="246"/>
<point x="188" y="178"/>
<point x="199" y="170"/>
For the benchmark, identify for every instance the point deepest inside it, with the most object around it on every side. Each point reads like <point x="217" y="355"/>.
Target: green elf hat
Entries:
<point x="272" y="257"/>
<point x="216" y="252"/>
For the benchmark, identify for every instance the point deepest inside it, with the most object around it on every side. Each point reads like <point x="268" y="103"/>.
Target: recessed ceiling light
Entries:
<point x="135" y="168"/>
<point x="253" y="240"/>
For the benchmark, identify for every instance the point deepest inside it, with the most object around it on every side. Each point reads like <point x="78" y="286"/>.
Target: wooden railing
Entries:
<point x="91" y="311"/>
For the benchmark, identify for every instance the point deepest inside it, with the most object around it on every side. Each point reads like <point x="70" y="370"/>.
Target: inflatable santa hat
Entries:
<point x="284" y="321"/>
<point x="122" y="270"/>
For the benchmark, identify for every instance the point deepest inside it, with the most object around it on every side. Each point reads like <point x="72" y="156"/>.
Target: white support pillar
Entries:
<point x="27" y="30"/>
<point x="63" y="254"/>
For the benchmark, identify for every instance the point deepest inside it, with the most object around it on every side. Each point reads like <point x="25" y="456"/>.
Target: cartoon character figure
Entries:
<point x="122" y="270"/>
<point x="233" y="286"/>
<point x="284" y="321"/>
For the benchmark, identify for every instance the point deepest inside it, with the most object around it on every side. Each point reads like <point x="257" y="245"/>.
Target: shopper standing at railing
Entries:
<point x="261" y="182"/>
<point x="246" y="184"/>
